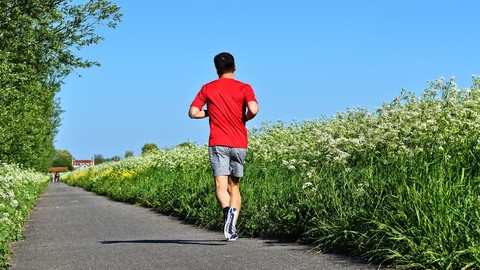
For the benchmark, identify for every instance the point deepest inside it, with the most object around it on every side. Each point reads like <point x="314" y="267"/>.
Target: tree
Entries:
<point x="115" y="158"/>
<point x="186" y="144"/>
<point x="38" y="41"/>
<point x="149" y="147"/>
<point x="98" y="159"/>
<point x="63" y="158"/>
<point x="128" y="154"/>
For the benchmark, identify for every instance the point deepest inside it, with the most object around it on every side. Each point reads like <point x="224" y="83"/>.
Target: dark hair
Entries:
<point x="224" y="63"/>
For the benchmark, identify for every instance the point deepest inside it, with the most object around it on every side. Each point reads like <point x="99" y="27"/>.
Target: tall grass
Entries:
<point x="398" y="186"/>
<point x="19" y="189"/>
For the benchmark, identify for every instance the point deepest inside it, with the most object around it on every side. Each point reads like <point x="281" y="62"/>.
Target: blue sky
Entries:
<point x="304" y="59"/>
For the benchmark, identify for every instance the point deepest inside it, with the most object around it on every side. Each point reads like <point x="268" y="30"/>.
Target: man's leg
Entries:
<point x="228" y="191"/>
<point x="221" y="190"/>
<point x="228" y="196"/>
<point x="234" y="193"/>
<point x="223" y="198"/>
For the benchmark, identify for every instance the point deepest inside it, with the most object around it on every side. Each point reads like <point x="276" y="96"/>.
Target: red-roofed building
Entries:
<point x="82" y="163"/>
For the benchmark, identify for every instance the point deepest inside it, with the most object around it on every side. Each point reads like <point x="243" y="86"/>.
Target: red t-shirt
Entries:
<point x="226" y="101"/>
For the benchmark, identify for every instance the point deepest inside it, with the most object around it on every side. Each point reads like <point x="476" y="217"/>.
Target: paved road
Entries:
<point x="74" y="229"/>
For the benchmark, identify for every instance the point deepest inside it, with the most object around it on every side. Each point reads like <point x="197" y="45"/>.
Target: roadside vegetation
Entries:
<point x="39" y="45"/>
<point x="19" y="189"/>
<point x="398" y="187"/>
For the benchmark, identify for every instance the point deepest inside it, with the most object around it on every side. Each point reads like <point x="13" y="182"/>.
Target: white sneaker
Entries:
<point x="233" y="237"/>
<point x="229" y="228"/>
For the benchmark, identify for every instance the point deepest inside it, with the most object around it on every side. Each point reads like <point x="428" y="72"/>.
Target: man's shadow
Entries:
<point x="179" y="242"/>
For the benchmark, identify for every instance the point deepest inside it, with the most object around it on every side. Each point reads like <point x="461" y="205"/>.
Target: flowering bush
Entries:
<point x="19" y="189"/>
<point x="399" y="185"/>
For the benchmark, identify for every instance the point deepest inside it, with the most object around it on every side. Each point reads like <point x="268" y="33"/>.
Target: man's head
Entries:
<point x="224" y="63"/>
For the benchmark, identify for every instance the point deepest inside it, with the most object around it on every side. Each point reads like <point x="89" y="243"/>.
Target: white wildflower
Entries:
<point x="5" y="221"/>
<point x="307" y="185"/>
<point x="14" y="203"/>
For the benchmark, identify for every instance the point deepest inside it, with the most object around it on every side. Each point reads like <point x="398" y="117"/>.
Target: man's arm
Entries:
<point x="196" y="113"/>
<point x="252" y="107"/>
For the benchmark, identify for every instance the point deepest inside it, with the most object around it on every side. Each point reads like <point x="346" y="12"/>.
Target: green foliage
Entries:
<point x="185" y="144"/>
<point x="399" y="186"/>
<point x="114" y="158"/>
<point x="149" y="147"/>
<point x="19" y="189"/>
<point x="98" y="159"/>
<point x="37" y="42"/>
<point x="63" y="158"/>
<point x="128" y="154"/>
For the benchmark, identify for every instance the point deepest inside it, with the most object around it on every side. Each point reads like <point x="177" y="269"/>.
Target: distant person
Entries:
<point x="57" y="176"/>
<point x="230" y="104"/>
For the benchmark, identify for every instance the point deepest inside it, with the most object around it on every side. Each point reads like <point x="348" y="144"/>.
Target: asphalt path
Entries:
<point x="71" y="228"/>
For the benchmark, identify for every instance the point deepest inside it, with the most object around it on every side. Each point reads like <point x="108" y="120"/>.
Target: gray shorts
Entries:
<point x="227" y="160"/>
